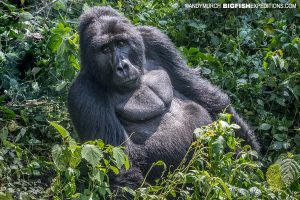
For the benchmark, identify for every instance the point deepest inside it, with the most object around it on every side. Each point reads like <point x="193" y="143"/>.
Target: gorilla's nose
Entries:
<point x="122" y="69"/>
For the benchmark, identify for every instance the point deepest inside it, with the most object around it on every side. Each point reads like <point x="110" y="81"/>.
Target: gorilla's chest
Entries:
<point x="160" y="120"/>
<point x="150" y="100"/>
<point x="155" y="108"/>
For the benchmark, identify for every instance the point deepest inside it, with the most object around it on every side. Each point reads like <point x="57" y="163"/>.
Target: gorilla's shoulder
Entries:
<point x="149" y="32"/>
<point x="160" y="48"/>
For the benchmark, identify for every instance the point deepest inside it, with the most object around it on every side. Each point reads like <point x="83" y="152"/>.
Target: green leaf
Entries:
<point x="264" y="126"/>
<point x="119" y="156"/>
<point x="60" y="85"/>
<point x="5" y="196"/>
<point x="280" y="137"/>
<point x="283" y="173"/>
<point x="2" y="56"/>
<point x="74" y="62"/>
<point x="7" y="113"/>
<point x="25" y="16"/>
<point x="290" y="171"/>
<point x="265" y="65"/>
<point x="63" y="132"/>
<point x="253" y="75"/>
<point x="280" y="101"/>
<point x="70" y="188"/>
<point x="98" y="175"/>
<point x="61" y="157"/>
<point x="235" y="126"/>
<point x="103" y="191"/>
<point x="163" y="22"/>
<point x="217" y="146"/>
<point x="114" y="169"/>
<point x="224" y="124"/>
<point x="3" y="134"/>
<point x="231" y="142"/>
<point x="277" y="145"/>
<point x="297" y="158"/>
<point x="197" y="24"/>
<point x="274" y="177"/>
<point x="70" y="173"/>
<point x="127" y="163"/>
<point x="297" y="140"/>
<point x="227" y="191"/>
<point x="75" y="157"/>
<point x="226" y="117"/>
<point x="241" y="82"/>
<point x="193" y="50"/>
<point x="99" y="143"/>
<point x="270" y="20"/>
<point x="35" y="70"/>
<point x="55" y="43"/>
<point x="91" y="154"/>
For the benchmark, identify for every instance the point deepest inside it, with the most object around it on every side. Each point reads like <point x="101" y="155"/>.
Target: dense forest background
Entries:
<point x="253" y="54"/>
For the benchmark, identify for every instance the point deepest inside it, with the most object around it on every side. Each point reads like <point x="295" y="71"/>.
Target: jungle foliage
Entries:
<point x="253" y="54"/>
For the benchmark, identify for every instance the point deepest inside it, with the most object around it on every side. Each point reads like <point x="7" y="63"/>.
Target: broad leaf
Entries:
<point x="119" y="156"/>
<point x="91" y="154"/>
<point x="61" y="157"/>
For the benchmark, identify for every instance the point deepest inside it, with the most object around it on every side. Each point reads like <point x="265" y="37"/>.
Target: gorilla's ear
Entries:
<point x="96" y="13"/>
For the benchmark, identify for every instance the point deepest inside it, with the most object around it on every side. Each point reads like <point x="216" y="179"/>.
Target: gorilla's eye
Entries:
<point x="105" y="49"/>
<point x="121" y="43"/>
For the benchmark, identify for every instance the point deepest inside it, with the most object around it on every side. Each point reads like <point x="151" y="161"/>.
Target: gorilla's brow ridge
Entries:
<point x="105" y="39"/>
<point x="113" y="25"/>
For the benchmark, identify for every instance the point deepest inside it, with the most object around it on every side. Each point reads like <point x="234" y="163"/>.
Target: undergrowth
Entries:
<point x="252" y="54"/>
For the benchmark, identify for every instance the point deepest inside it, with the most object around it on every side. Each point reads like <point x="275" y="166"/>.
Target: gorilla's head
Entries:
<point x="112" y="50"/>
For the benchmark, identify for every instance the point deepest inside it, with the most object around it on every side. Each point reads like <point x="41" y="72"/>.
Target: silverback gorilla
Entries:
<point x="134" y="88"/>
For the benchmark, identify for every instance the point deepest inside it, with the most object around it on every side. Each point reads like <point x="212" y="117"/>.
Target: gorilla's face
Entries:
<point x="115" y="55"/>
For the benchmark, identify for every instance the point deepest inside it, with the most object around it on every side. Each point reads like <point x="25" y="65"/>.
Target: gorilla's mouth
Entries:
<point x="131" y="81"/>
<point x="126" y="84"/>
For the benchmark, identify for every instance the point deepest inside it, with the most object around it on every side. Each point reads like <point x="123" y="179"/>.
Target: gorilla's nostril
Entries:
<point x="119" y="68"/>
<point x="122" y="68"/>
<point x="125" y="66"/>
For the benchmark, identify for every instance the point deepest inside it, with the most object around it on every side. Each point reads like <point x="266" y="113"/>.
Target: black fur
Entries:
<point x="133" y="87"/>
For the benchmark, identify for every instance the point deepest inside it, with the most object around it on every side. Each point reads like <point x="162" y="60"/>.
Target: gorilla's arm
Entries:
<point x="92" y="113"/>
<point x="161" y="50"/>
<point x="93" y="118"/>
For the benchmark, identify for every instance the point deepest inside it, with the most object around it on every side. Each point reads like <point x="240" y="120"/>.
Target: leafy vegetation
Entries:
<point x="253" y="54"/>
<point x="69" y="155"/>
